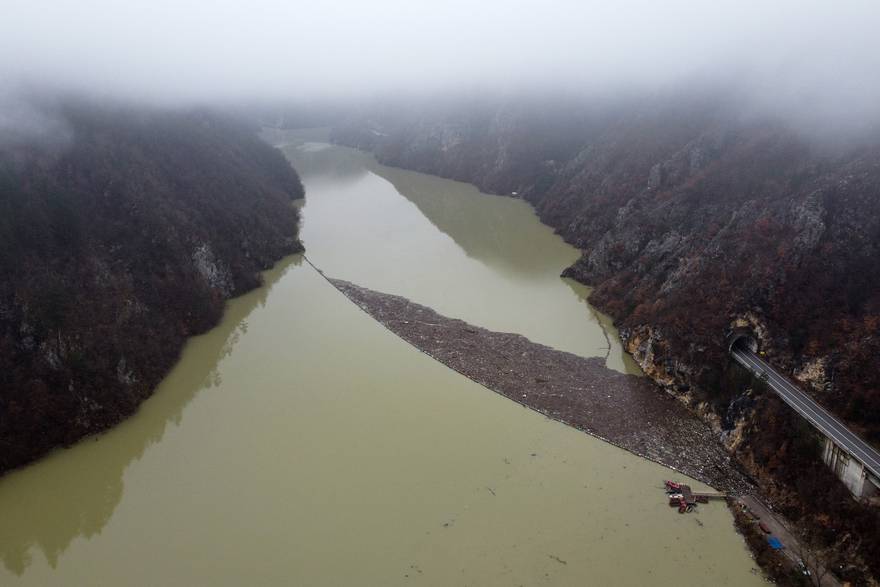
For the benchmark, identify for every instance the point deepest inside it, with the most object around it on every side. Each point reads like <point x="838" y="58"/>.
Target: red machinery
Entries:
<point x="672" y="487"/>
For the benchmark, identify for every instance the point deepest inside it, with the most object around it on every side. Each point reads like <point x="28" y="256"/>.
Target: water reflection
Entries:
<point x="615" y="356"/>
<point x="487" y="228"/>
<point x="490" y="229"/>
<point x="485" y="259"/>
<point x="73" y="493"/>
<point x="333" y="453"/>
<point x="319" y="161"/>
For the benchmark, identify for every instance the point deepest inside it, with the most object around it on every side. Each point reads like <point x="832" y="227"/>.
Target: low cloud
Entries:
<point x="804" y="58"/>
<point x="25" y="121"/>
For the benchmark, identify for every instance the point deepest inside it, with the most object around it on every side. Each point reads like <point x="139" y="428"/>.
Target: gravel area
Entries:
<point x="627" y="411"/>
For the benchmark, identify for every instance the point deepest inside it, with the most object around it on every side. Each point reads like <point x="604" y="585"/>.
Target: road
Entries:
<point x="792" y="550"/>
<point x="809" y="409"/>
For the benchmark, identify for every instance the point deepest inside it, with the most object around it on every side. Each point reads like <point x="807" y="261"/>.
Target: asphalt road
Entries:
<point x="809" y="409"/>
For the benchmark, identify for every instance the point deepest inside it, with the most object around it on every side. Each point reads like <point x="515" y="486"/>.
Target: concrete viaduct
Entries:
<point x="853" y="460"/>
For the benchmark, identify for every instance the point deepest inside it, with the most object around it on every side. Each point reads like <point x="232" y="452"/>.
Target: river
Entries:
<point x="301" y="443"/>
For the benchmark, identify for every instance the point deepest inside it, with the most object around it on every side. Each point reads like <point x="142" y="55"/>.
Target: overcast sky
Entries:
<point x="816" y="54"/>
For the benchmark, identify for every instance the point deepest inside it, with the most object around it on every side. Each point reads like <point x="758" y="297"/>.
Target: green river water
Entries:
<point x="301" y="443"/>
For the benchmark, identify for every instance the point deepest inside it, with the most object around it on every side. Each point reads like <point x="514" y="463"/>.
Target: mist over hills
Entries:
<point x="716" y="163"/>
<point x="695" y="216"/>
<point x="117" y="242"/>
<point x="800" y="60"/>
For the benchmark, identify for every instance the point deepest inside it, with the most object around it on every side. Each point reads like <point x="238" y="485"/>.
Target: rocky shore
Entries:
<point x="627" y="411"/>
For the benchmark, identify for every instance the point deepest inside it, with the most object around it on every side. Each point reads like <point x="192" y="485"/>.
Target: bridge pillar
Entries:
<point x="849" y="470"/>
<point x="871" y="489"/>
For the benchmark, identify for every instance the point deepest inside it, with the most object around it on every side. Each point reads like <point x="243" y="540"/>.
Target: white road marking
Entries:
<point x="809" y="409"/>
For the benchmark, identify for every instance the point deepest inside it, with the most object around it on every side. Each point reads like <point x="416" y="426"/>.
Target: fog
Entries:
<point x="818" y="59"/>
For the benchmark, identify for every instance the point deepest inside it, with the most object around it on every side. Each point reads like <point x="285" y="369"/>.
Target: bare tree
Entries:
<point x="810" y="558"/>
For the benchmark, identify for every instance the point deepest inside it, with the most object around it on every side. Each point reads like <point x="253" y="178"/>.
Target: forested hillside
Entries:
<point x="691" y="215"/>
<point x="119" y="238"/>
<point x="695" y="215"/>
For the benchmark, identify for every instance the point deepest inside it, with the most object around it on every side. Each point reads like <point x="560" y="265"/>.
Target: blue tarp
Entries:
<point x="774" y="543"/>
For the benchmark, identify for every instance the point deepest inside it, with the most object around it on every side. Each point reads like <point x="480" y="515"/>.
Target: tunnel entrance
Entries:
<point x="742" y="338"/>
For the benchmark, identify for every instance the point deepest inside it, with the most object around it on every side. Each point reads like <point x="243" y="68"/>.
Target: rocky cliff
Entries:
<point x="120" y="236"/>
<point x="695" y="215"/>
<point x="691" y="218"/>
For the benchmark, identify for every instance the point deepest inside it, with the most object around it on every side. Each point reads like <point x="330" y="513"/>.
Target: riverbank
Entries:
<point x="787" y="565"/>
<point x="117" y="249"/>
<point x="627" y="411"/>
<point x="303" y="434"/>
<point x="677" y="250"/>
